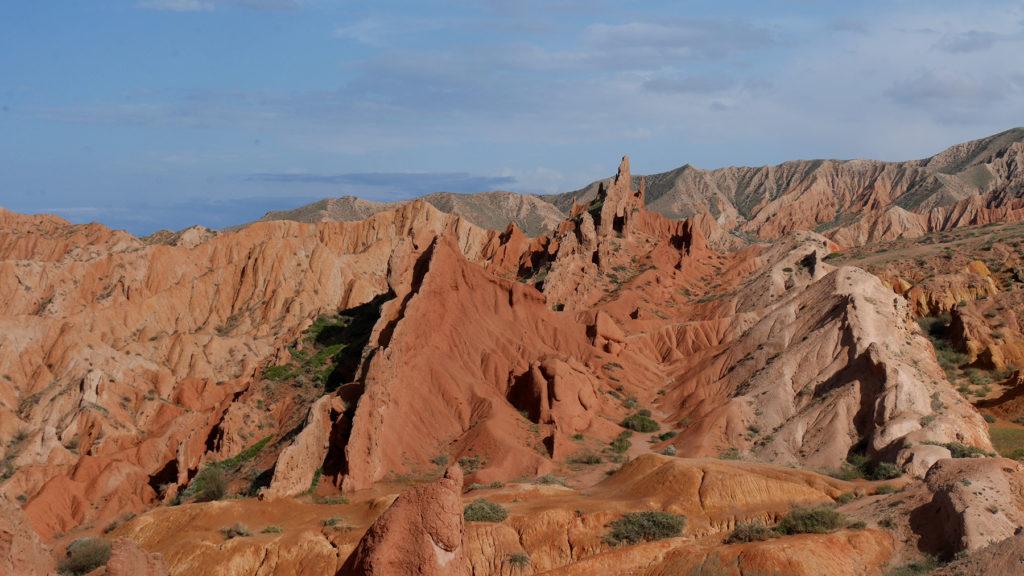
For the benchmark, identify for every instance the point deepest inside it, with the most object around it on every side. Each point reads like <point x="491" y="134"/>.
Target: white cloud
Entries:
<point x="210" y="5"/>
<point x="177" y="5"/>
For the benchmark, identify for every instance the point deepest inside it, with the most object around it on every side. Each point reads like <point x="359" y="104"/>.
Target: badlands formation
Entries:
<point x="813" y="373"/>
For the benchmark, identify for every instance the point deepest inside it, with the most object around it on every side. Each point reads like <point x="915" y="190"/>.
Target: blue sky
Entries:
<point x="150" y="114"/>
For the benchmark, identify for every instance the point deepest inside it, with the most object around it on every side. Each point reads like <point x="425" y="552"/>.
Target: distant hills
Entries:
<point x="854" y="201"/>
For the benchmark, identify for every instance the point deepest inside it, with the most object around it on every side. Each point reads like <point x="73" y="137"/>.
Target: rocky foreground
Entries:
<point x="327" y="398"/>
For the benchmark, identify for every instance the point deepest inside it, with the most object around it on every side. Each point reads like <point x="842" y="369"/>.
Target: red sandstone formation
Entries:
<point x="421" y="533"/>
<point x="130" y="365"/>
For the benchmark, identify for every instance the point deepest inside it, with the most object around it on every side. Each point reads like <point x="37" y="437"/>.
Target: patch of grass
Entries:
<point x="846" y="498"/>
<point x="585" y="458"/>
<point x="211" y="483"/>
<point x="332" y="521"/>
<point x="636" y="527"/>
<point x="640" y="422"/>
<point x="730" y="454"/>
<point x="885" y="489"/>
<point x="482" y="510"/>
<point x="958" y="450"/>
<point x="750" y="532"/>
<point x="272" y="529"/>
<point x="548" y="479"/>
<point x="472" y="463"/>
<point x="239" y="530"/>
<point x="885" y="471"/>
<point x="1008" y="442"/>
<point x="330" y="500"/>
<point x="821" y="519"/>
<point x="518" y="559"/>
<point x="917" y="568"/>
<point x="84" y="555"/>
<point x="492" y="485"/>
<point x="621" y="443"/>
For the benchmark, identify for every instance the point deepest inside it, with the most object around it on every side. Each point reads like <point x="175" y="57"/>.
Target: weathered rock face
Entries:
<point x="127" y="559"/>
<point x="975" y="501"/>
<point x="716" y="495"/>
<point x="421" y="533"/>
<point x="816" y="360"/>
<point x="126" y="366"/>
<point x="1003" y="557"/>
<point x="21" y="550"/>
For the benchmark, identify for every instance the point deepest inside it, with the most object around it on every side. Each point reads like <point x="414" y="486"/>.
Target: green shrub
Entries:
<point x="885" y="489"/>
<point x="958" y="450"/>
<point x="85" y="555"/>
<point x="820" y="519"/>
<point x="885" y="471"/>
<point x="635" y="527"/>
<point x="749" y="532"/>
<point x="989" y="418"/>
<point x="621" y="443"/>
<point x="235" y="531"/>
<point x="846" y="498"/>
<point x="332" y="521"/>
<point x="518" y="559"/>
<point x="482" y="510"/>
<point x="641" y="423"/>
<point x="272" y="529"/>
<point x="211" y="483"/>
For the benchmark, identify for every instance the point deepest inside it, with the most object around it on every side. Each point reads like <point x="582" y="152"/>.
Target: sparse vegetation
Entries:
<point x="482" y="510"/>
<point x="621" y="443"/>
<point x="1008" y="442"/>
<point x="958" y="450"/>
<point x="846" y="498"/>
<point x="211" y="483"/>
<point x="272" y="529"/>
<point x="492" y="485"/>
<point x="749" y="532"/>
<point x="917" y="568"/>
<point x="238" y="530"/>
<point x="84" y="555"/>
<point x="636" y="527"/>
<point x="333" y="500"/>
<point x="821" y="519"/>
<point x="641" y="422"/>
<point x="518" y="559"/>
<point x="585" y="458"/>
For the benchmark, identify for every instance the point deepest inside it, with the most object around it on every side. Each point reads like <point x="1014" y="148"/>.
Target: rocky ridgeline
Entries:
<point x="301" y="362"/>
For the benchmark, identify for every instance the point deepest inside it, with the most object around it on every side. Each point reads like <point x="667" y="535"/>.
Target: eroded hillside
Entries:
<point x="318" y="370"/>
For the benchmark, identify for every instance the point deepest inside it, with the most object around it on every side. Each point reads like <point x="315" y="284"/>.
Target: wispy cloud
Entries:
<point x="970" y="41"/>
<point x="412" y="184"/>
<point x="177" y="5"/>
<point x="210" y="5"/>
<point x="699" y="84"/>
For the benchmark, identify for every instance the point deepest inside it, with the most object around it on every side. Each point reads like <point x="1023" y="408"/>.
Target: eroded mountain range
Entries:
<point x="805" y="325"/>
